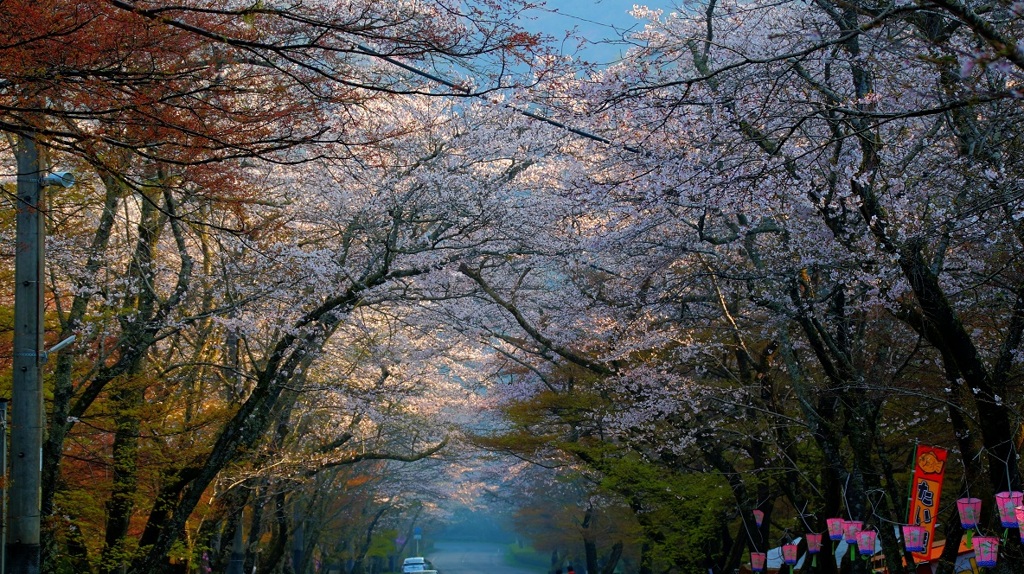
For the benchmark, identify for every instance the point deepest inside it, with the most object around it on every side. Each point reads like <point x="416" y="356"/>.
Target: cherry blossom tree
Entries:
<point x="161" y="102"/>
<point x="783" y="240"/>
<point x="796" y="256"/>
<point x="214" y="328"/>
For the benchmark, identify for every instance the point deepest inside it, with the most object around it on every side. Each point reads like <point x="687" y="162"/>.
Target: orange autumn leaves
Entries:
<point x="91" y="76"/>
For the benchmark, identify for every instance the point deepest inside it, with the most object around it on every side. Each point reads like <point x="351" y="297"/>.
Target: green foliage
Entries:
<point x="383" y="544"/>
<point x="680" y="513"/>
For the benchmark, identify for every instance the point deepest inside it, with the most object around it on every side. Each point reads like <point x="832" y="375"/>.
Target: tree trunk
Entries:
<point x="275" y="554"/>
<point x="128" y="398"/>
<point x="61" y="421"/>
<point x="613" y="559"/>
<point x="589" y="540"/>
<point x="125" y="474"/>
<point x="236" y="555"/>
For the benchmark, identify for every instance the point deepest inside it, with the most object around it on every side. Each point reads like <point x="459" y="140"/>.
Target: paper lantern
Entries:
<point x="986" y="550"/>
<point x="757" y="561"/>
<point x="1007" y="502"/>
<point x="835" y="528"/>
<point x="1020" y="521"/>
<point x="789" y="553"/>
<point x="813" y="543"/>
<point x="850" y="530"/>
<point x="758" y="517"/>
<point x="913" y="537"/>
<point x="866" y="542"/>
<point x="813" y="547"/>
<point x="970" y="510"/>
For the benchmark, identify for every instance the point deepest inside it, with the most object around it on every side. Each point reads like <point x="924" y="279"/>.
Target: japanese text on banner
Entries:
<point x="929" y="469"/>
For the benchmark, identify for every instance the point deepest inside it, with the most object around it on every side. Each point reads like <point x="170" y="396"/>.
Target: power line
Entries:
<point x="459" y="88"/>
<point x="466" y="91"/>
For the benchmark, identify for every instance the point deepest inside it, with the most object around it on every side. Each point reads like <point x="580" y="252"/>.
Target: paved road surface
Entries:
<point x="472" y="558"/>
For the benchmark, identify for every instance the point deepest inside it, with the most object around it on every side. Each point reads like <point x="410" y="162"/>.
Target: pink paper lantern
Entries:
<point x="758" y="517"/>
<point x="970" y="510"/>
<point x="986" y="550"/>
<point x="813" y="543"/>
<point x="850" y="530"/>
<point x="1020" y="521"/>
<point x="835" y="528"/>
<point x="866" y="542"/>
<point x="913" y="537"/>
<point x="789" y="553"/>
<point x="757" y="561"/>
<point x="1007" y="502"/>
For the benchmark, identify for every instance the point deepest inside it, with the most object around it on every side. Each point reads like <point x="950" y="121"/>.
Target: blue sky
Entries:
<point x="602" y="22"/>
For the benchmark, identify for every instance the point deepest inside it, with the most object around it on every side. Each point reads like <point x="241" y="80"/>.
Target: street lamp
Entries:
<point x="62" y="178"/>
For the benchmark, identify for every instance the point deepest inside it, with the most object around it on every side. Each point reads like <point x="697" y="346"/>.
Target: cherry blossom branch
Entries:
<point x="1003" y="46"/>
<point x="529" y="328"/>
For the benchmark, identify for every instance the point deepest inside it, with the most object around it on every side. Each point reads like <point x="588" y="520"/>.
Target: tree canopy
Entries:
<point x="316" y="293"/>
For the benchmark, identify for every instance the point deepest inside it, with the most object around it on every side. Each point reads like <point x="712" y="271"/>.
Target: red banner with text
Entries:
<point x="929" y="468"/>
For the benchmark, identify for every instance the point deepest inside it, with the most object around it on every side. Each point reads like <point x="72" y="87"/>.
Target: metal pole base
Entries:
<point x="22" y="558"/>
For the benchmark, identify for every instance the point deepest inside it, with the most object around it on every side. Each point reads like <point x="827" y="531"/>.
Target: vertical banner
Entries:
<point x="929" y="468"/>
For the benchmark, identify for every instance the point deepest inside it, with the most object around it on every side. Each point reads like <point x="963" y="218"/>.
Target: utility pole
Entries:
<point x="27" y="387"/>
<point x="27" y="418"/>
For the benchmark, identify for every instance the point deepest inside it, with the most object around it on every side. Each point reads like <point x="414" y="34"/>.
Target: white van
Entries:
<point x="416" y="564"/>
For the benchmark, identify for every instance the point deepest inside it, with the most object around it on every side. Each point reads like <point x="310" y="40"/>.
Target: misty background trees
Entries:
<point x="321" y="300"/>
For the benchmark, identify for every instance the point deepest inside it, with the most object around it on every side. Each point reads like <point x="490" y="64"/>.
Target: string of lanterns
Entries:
<point x="1010" y="505"/>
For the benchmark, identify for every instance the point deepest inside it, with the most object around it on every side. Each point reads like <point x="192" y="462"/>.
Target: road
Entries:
<point x="472" y="558"/>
